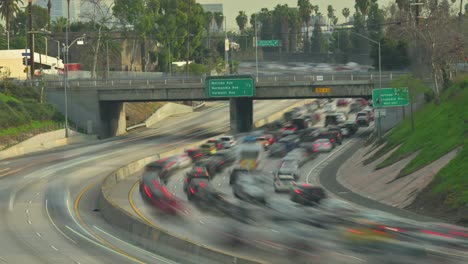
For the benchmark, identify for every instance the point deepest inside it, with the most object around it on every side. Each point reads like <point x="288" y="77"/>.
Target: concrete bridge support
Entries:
<point x="113" y="121"/>
<point x="241" y="114"/>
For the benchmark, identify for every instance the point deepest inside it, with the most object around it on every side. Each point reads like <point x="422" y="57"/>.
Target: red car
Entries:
<point x="157" y="195"/>
<point x="362" y="101"/>
<point x="289" y="129"/>
<point x="342" y="102"/>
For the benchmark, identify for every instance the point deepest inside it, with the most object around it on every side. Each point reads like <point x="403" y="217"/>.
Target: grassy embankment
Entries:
<point x="22" y="115"/>
<point x="438" y="130"/>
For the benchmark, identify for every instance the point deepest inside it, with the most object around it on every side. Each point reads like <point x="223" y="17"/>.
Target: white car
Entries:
<point x="284" y="182"/>
<point x="228" y="141"/>
<point x="329" y="108"/>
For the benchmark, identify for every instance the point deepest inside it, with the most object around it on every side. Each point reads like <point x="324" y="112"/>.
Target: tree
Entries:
<point x="295" y="26"/>
<point x="265" y="18"/>
<point x="8" y="10"/>
<point x="59" y="24"/>
<point x="345" y="13"/>
<point x="281" y="15"/>
<point x="208" y="20"/>
<point x="466" y="8"/>
<point x="305" y="12"/>
<point x="316" y="9"/>
<point x="241" y="20"/>
<point x="375" y="21"/>
<point x="317" y="37"/>
<point x="100" y="15"/>
<point x="330" y="14"/>
<point x="219" y="19"/>
<point x="362" y="6"/>
<point x="360" y="44"/>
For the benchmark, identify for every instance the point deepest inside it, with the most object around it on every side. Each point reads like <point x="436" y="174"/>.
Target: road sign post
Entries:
<point x="268" y="43"/>
<point x="230" y="86"/>
<point x="389" y="97"/>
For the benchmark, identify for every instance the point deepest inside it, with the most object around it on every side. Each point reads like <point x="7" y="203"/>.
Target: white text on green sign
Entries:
<point x="230" y="87"/>
<point x="388" y="97"/>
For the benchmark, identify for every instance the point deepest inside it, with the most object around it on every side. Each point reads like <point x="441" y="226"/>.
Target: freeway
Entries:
<point x="47" y="203"/>
<point x="262" y="238"/>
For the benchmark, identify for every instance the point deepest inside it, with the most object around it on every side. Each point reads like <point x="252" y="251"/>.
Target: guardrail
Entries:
<point x="261" y="80"/>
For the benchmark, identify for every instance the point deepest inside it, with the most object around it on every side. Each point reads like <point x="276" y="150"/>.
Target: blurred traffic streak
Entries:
<point x="250" y="194"/>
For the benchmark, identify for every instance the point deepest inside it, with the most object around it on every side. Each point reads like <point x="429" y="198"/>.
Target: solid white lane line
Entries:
<point x="30" y="202"/>
<point x="56" y="227"/>
<point x="38" y="234"/>
<point x="96" y="243"/>
<point x="54" y="248"/>
<point x="135" y="247"/>
<point x="27" y="211"/>
<point x="29" y="222"/>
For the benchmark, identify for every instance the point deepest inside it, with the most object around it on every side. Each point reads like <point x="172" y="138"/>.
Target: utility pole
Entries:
<point x="188" y="38"/>
<point x="31" y="39"/>
<point x="49" y="6"/>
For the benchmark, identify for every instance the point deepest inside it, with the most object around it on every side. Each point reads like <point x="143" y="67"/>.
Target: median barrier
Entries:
<point x="154" y="238"/>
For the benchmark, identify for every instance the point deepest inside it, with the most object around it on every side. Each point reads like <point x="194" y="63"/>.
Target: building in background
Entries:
<point x="59" y="8"/>
<point x="214" y="8"/>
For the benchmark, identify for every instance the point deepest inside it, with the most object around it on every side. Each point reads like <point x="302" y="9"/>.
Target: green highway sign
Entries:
<point x="230" y="87"/>
<point x="388" y="97"/>
<point x="268" y="43"/>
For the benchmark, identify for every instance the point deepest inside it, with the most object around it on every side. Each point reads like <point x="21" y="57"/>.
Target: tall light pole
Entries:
<point x="8" y="39"/>
<point x="58" y="53"/>
<point x="31" y="39"/>
<point x="379" y="128"/>
<point x="256" y="46"/>
<point x="226" y="48"/>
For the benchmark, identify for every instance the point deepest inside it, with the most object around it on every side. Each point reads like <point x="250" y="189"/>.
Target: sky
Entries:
<point x="232" y="7"/>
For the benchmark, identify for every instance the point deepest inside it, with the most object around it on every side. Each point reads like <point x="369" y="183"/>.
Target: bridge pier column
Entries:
<point x="241" y="114"/>
<point x="113" y="122"/>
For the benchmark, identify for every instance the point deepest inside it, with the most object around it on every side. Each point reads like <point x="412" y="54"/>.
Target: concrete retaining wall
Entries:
<point x="153" y="238"/>
<point x="45" y="141"/>
<point x="166" y="111"/>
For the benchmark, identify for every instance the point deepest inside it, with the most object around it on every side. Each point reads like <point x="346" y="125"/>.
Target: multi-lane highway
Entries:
<point x="48" y="199"/>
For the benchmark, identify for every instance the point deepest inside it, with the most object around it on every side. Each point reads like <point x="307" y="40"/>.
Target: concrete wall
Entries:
<point x="241" y="114"/>
<point x="113" y="121"/>
<point x="167" y="110"/>
<point x="45" y="141"/>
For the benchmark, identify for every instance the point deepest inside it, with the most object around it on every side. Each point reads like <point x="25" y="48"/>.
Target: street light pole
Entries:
<point x="379" y="128"/>
<point x="58" y="54"/>
<point x="256" y="47"/>
<point x="31" y="39"/>
<point x="65" y="68"/>
<point x="8" y="39"/>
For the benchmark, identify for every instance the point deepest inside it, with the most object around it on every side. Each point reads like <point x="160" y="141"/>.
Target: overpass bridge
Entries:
<point x="97" y="105"/>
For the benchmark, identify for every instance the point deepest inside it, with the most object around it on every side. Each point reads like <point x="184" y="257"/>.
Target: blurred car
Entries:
<point x="266" y="141"/>
<point x="341" y="116"/>
<point x="354" y="108"/>
<point x="323" y="67"/>
<point x="344" y="130"/>
<point x="323" y="145"/>
<point x="288" y="167"/>
<point x="279" y="149"/>
<point x="329" y="108"/>
<point x="194" y="153"/>
<point x="442" y="234"/>
<point x="163" y="168"/>
<point x="208" y="148"/>
<point x="289" y="129"/>
<point x="217" y="142"/>
<point x="309" y="134"/>
<point x="361" y="101"/>
<point x="153" y="192"/>
<point x="342" y="102"/>
<point x="246" y="188"/>
<point x="331" y="119"/>
<point x="182" y="160"/>
<point x="370" y="111"/>
<point x="300" y="155"/>
<point x="224" y="158"/>
<point x="332" y="136"/>
<point x="284" y="182"/>
<point x="307" y="194"/>
<point x="291" y="142"/>
<point x="363" y="119"/>
<point x="201" y="190"/>
<point x="194" y="173"/>
<point x="336" y="130"/>
<point x="228" y="141"/>
<point x="352" y="126"/>
<point x="235" y="172"/>
<point x="208" y="164"/>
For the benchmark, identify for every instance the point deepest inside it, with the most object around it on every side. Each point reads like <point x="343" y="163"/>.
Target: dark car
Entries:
<point x="307" y="194"/>
<point x="209" y="164"/>
<point x="235" y="174"/>
<point x="196" y="173"/>
<point x="333" y="136"/>
<point x="363" y="119"/>
<point x="224" y="158"/>
<point x="354" y="108"/>
<point x="201" y="190"/>
<point x="247" y="188"/>
<point x="163" y="168"/>
<point x="279" y="149"/>
<point x="194" y="153"/>
<point x="309" y="134"/>
<point x="352" y="127"/>
<point x="154" y="192"/>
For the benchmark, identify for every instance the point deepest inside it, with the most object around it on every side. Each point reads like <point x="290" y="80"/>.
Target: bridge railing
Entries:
<point x="177" y="81"/>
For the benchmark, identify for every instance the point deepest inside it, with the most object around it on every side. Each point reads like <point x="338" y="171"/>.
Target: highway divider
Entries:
<point x="153" y="238"/>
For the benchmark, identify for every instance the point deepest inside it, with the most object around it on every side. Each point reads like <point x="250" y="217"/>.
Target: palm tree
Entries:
<point x="305" y="12"/>
<point x="242" y="20"/>
<point x="59" y="24"/>
<point x="363" y="6"/>
<point x="330" y="14"/>
<point x="8" y="9"/>
<point x="219" y="19"/>
<point x="281" y="12"/>
<point x="208" y="21"/>
<point x="346" y="13"/>
<point x="316" y="9"/>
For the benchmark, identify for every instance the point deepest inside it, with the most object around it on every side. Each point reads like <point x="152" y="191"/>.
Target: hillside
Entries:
<point x="22" y="115"/>
<point x="439" y="129"/>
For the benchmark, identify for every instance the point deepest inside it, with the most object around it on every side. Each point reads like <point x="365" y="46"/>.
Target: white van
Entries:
<point x="329" y="108"/>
